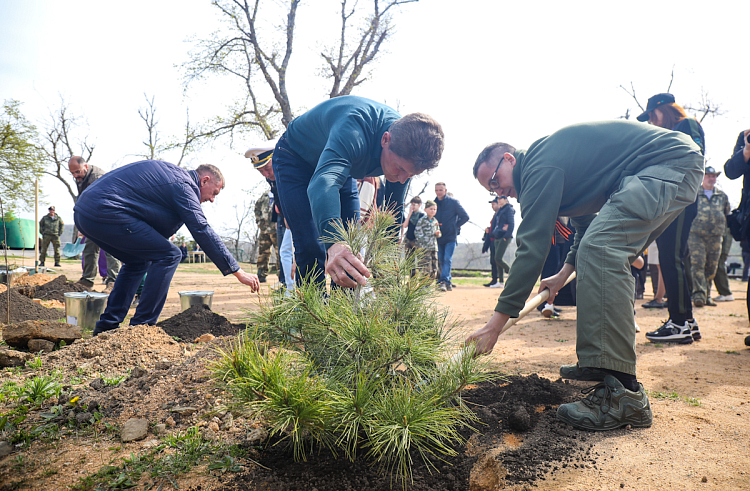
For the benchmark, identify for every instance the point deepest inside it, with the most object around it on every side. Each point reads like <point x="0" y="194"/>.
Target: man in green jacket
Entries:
<point x="622" y="184"/>
<point x="51" y="228"/>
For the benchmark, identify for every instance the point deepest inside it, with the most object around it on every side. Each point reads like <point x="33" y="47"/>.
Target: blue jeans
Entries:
<point x="286" y="251"/>
<point x="445" y="258"/>
<point x="293" y="175"/>
<point x="142" y="250"/>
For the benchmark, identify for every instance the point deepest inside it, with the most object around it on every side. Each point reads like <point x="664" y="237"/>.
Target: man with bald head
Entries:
<point x="85" y="175"/>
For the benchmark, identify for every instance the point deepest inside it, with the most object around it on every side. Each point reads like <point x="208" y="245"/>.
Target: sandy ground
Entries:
<point x="699" y="392"/>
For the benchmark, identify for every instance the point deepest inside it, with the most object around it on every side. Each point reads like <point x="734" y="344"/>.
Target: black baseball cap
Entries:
<point x="655" y="102"/>
<point x="498" y="198"/>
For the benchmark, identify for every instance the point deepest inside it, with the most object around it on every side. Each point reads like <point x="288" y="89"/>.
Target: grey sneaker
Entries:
<point x="608" y="406"/>
<point x="574" y="372"/>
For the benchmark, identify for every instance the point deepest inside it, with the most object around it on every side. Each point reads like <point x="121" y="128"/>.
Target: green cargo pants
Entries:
<point x="633" y="216"/>
<point x="46" y="240"/>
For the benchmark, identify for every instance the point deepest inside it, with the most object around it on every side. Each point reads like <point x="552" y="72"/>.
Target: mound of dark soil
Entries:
<point x="197" y="320"/>
<point x="22" y="308"/>
<point x="518" y="427"/>
<point x="53" y="290"/>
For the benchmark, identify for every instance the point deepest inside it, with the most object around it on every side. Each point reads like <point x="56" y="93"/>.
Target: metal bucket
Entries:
<point x="84" y="308"/>
<point x="189" y="299"/>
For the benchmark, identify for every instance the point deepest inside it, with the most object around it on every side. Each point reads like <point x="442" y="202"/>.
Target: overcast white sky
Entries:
<point x="487" y="70"/>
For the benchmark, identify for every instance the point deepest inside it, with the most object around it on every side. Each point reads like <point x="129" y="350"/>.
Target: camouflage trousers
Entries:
<point x="265" y="242"/>
<point x="428" y="263"/>
<point x="704" y="258"/>
<point x="46" y="239"/>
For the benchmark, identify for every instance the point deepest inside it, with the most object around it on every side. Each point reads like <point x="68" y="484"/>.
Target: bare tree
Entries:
<point x="61" y="140"/>
<point x="700" y="110"/>
<point x="243" y="51"/>
<point x="188" y="142"/>
<point x="148" y="115"/>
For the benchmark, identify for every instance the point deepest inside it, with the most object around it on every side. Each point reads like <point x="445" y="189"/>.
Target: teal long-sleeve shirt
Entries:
<point x="339" y="138"/>
<point x="572" y="173"/>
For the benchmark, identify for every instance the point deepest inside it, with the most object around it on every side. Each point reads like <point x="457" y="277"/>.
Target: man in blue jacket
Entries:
<point x="502" y="231"/>
<point x="131" y="211"/>
<point x="316" y="164"/>
<point x="451" y="216"/>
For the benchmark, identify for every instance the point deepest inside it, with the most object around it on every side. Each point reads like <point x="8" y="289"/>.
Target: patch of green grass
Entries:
<point x="36" y="364"/>
<point x="465" y="273"/>
<point x="673" y="396"/>
<point x="188" y="450"/>
<point x="561" y="340"/>
<point x="732" y="352"/>
<point x="115" y="380"/>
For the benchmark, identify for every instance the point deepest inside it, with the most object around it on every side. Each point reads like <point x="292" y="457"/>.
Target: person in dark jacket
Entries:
<point x="502" y="232"/>
<point x="739" y="165"/>
<point x="85" y="175"/>
<point x="131" y="212"/>
<point x="451" y="216"/>
<point x="489" y="244"/>
<point x="662" y="111"/>
<point x="317" y="161"/>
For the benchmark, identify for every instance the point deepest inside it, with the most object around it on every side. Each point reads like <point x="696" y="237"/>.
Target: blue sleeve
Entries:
<point x="736" y="165"/>
<point x="189" y="208"/>
<point x="463" y="217"/>
<point x="346" y="145"/>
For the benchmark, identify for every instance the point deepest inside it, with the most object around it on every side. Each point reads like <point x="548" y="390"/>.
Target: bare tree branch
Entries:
<point x="245" y="51"/>
<point x="58" y="145"/>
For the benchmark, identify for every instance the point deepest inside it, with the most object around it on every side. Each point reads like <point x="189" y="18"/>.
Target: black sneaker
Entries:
<point x="671" y="333"/>
<point x="747" y="341"/>
<point x="608" y="406"/>
<point x="574" y="372"/>
<point x="449" y="286"/>
<point x="694" y="330"/>
<point x="57" y="265"/>
<point x="653" y="304"/>
<point x="490" y="283"/>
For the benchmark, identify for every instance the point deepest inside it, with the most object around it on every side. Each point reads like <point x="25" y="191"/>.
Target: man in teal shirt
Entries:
<point x="316" y="164"/>
<point x="622" y="184"/>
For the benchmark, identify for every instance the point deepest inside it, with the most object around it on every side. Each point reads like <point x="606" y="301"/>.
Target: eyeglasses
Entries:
<point x="494" y="185"/>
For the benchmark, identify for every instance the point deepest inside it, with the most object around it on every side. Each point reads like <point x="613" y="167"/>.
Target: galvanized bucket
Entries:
<point x="189" y="299"/>
<point x="84" y="308"/>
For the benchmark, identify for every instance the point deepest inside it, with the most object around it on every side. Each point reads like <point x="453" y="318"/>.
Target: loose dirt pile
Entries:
<point x="52" y="290"/>
<point x="23" y="308"/>
<point x="197" y="320"/>
<point x="518" y="441"/>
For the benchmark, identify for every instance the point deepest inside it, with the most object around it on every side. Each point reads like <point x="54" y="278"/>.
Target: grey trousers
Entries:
<point x="91" y="264"/>
<point x="634" y="215"/>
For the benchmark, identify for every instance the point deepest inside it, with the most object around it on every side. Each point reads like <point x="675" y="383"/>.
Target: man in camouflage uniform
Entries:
<point x="51" y="228"/>
<point x="266" y="234"/>
<point x="706" y="235"/>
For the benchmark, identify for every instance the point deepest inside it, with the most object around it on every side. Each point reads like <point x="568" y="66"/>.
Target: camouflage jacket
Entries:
<point x="424" y="233"/>
<point x="263" y="214"/>
<point x="711" y="217"/>
<point x="51" y="226"/>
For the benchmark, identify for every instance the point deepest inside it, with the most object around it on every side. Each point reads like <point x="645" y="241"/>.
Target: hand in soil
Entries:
<point x="248" y="279"/>
<point x="343" y="265"/>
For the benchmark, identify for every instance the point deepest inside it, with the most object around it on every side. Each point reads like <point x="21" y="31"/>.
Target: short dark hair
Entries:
<point x="416" y="199"/>
<point x="417" y="138"/>
<point x="213" y="171"/>
<point x="485" y="154"/>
